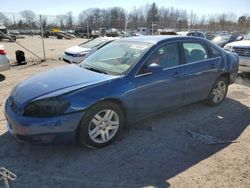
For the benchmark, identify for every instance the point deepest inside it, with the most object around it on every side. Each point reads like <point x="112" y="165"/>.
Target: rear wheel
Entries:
<point x="102" y="125"/>
<point x="218" y="92"/>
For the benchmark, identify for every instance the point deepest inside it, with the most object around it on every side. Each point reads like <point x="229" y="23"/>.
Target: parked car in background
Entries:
<point x="222" y="40"/>
<point x="82" y="32"/>
<point x="124" y="34"/>
<point x="77" y="54"/>
<point x="209" y="36"/>
<point x="142" y="31"/>
<point x="4" y="60"/>
<point x="196" y="34"/>
<point x="242" y="48"/>
<point x="123" y="82"/>
<point x="5" y="35"/>
<point x="112" y="32"/>
<point x="14" y="32"/>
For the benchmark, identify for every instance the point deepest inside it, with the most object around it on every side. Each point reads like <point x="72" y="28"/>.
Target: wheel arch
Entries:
<point x="226" y="75"/>
<point x="117" y="102"/>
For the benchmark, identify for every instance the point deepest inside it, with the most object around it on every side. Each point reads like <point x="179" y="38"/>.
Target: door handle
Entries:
<point x="176" y="75"/>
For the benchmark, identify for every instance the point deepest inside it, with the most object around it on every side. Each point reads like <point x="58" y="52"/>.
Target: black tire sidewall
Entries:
<point x="210" y="97"/>
<point x="83" y="136"/>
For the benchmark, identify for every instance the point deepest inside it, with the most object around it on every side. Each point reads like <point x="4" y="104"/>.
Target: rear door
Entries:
<point x="201" y="71"/>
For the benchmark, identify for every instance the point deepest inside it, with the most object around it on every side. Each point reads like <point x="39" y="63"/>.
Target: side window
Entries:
<point x="166" y="56"/>
<point x="194" y="52"/>
<point x="215" y="52"/>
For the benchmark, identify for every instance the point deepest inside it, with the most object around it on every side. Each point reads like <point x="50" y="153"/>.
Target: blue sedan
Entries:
<point x="122" y="83"/>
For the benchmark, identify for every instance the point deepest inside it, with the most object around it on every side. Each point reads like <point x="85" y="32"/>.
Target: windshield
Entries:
<point x="93" y="43"/>
<point x="247" y="37"/>
<point x="116" y="57"/>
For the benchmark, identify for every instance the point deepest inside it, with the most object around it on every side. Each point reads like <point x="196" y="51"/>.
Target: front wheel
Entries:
<point x="102" y="125"/>
<point x="218" y="92"/>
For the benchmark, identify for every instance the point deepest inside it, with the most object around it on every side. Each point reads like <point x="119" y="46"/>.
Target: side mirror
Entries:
<point x="153" y="68"/>
<point x="239" y="38"/>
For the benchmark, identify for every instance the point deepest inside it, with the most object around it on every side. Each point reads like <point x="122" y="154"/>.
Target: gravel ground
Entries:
<point x="54" y="47"/>
<point x="157" y="152"/>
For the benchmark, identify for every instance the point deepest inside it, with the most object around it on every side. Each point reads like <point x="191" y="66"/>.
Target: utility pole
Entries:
<point x="44" y="56"/>
<point x="87" y="29"/>
<point x="126" y="24"/>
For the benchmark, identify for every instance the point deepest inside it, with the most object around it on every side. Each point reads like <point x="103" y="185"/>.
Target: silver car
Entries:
<point x="77" y="54"/>
<point x="242" y="48"/>
<point x="4" y="60"/>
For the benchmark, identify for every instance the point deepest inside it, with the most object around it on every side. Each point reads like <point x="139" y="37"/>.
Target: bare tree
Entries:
<point x="61" y="19"/>
<point x="44" y="21"/>
<point x="69" y="20"/>
<point x="152" y="16"/>
<point x="193" y="19"/>
<point x="3" y="19"/>
<point x="29" y="17"/>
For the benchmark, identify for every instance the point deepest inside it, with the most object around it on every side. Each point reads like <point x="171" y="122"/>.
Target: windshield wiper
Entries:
<point x="96" y="70"/>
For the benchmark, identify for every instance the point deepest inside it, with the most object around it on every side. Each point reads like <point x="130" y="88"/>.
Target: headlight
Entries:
<point x="229" y="48"/>
<point x="46" y="108"/>
<point x="80" y="55"/>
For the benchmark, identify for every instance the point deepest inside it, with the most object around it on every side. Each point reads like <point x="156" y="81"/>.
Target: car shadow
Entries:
<point x="149" y="154"/>
<point x="2" y="77"/>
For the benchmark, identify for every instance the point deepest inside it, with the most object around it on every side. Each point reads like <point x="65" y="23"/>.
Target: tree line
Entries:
<point x="145" y="16"/>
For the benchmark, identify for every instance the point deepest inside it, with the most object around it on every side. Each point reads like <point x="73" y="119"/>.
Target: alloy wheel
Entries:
<point x="103" y="126"/>
<point x="219" y="91"/>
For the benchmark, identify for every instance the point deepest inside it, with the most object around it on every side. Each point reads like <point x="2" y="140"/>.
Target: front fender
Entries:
<point x="120" y="89"/>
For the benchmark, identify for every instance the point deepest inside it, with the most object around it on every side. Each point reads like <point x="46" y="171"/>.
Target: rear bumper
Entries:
<point x="61" y="129"/>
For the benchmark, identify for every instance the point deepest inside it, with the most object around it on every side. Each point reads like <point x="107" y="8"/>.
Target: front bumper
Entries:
<point x="244" y="64"/>
<point x="60" y="129"/>
<point x="71" y="59"/>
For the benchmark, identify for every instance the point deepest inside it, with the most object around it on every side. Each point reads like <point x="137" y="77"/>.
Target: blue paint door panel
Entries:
<point x="200" y="77"/>
<point x="159" y="90"/>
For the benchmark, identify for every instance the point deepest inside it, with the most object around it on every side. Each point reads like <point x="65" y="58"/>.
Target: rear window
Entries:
<point x="194" y="52"/>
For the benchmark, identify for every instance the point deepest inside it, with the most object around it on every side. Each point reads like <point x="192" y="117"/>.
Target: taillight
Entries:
<point x="2" y="52"/>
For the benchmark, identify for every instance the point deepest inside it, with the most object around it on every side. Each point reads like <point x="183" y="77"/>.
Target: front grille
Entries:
<point x="69" y="54"/>
<point x="242" y="51"/>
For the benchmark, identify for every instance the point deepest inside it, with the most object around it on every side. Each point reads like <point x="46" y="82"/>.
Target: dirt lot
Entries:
<point x="155" y="153"/>
<point x="54" y="47"/>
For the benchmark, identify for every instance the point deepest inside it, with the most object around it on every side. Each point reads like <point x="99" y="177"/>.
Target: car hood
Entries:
<point x="242" y="43"/>
<point x="55" y="82"/>
<point x="77" y="49"/>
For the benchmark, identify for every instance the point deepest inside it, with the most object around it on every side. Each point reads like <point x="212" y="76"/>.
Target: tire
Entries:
<point x="95" y="129"/>
<point x="218" y="92"/>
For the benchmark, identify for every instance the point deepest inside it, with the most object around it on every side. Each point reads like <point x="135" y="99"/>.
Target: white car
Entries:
<point x="77" y="54"/>
<point x="4" y="60"/>
<point x="242" y="48"/>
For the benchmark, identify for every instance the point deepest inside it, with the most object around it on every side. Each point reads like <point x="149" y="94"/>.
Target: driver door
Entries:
<point x="157" y="91"/>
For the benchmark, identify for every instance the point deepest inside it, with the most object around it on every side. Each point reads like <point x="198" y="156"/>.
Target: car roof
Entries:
<point x="156" y="38"/>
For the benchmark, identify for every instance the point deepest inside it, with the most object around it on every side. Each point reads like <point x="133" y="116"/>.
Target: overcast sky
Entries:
<point x="54" y="7"/>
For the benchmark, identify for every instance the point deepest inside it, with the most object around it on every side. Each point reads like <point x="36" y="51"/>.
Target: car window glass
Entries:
<point x="215" y="52"/>
<point x="166" y="56"/>
<point x="117" y="57"/>
<point x="93" y="43"/>
<point x="194" y="52"/>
